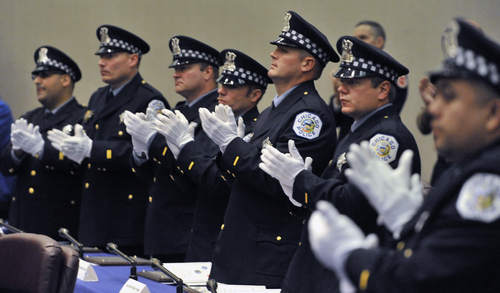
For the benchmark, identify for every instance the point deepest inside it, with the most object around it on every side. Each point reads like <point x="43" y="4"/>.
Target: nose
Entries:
<point x="176" y="74"/>
<point x="273" y="54"/>
<point x="101" y="62"/>
<point x="342" y="88"/>
<point x="221" y="91"/>
<point x="37" y="80"/>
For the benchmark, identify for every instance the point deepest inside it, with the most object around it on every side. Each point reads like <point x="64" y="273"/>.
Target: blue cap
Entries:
<point x="50" y="58"/>
<point x="186" y="50"/>
<point x="240" y="69"/>
<point x="114" y="39"/>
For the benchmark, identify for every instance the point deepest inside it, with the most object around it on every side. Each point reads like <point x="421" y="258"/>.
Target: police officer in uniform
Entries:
<point x="262" y="228"/>
<point x="113" y="200"/>
<point x="367" y="81"/>
<point x="48" y="190"/>
<point x="242" y="83"/>
<point x="451" y="242"/>
<point x="172" y="194"/>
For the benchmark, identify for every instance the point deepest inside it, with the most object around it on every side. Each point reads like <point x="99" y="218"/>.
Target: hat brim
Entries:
<point x="231" y="81"/>
<point x="348" y="73"/>
<point x="41" y="68"/>
<point x="109" y="50"/>
<point x="283" y="42"/>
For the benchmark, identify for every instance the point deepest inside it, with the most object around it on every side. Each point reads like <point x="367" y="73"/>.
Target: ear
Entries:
<point x="384" y="89"/>
<point x="307" y="64"/>
<point x="493" y="121"/>
<point x="379" y="42"/>
<point x="65" y="80"/>
<point x="208" y="72"/>
<point x="255" y="95"/>
<point x="134" y="60"/>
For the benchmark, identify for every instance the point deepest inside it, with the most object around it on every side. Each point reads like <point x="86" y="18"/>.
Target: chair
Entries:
<point x="69" y="270"/>
<point x="29" y="263"/>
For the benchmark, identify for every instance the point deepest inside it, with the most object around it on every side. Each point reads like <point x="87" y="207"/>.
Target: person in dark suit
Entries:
<point x="113" y="199"/>
<point x="367" y="78"/>
<point x="450" y="241"/>
<point x="48" y="190"/>
<point x="172" y="194"/>
<point x="261" y="229"/>
<point x="240" y="93"/>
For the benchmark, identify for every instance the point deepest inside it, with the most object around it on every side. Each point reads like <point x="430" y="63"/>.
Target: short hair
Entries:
<point x="376" y="80"/>
<point x="377" y="28"/>
<point x="318" y="67"/>
<point x="253" y="86"/>
<point x="204" y="65"/>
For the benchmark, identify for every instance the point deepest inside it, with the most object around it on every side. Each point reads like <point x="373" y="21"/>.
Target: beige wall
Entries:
<point x="413" y="29"/>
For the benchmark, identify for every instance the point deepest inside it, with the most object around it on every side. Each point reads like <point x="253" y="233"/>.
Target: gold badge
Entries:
<point x="103" y="32"/>
<point x="176" y="49"/>
<point x="229" y="64"/>
<point x="88" y="115"/>
<point x="42" y="55"/>
<point x="347" y="51"/>
<point x="286" y="20"/>
<point x="449" y="42"/>
<point x="341" y="161"/>
<point x="266" y="141"/>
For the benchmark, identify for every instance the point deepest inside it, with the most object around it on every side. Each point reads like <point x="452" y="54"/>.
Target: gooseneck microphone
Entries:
<point x="212" y="286"/>
<point x="10" y="227"/>
<point x="64" y="233"/>
<point x="113" y="248"/>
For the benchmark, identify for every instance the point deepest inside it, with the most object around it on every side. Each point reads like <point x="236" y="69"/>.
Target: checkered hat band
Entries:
<point x="371" y="67"/>
<point x="189" y="53"/>
<point x="61" y="66"/>
<point x="471" y="61"/>
<point x="307" y="43"/>
<point x="122" y="45"/>
<point x="247" y="75"/>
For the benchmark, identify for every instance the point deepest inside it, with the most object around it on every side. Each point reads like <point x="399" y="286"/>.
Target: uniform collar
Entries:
<point x="357" y="123"/>
<point x="190" y="104"/>
<point x="278" y="99"/>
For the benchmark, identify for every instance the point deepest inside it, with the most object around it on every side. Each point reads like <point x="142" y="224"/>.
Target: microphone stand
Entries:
<point x="64" y="233"/>
<point x="10" y="227"/>
<point x="179" y="284"/>
<point x="113" y="248"/>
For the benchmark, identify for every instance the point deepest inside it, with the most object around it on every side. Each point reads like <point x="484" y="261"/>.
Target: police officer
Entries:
<point x="172" y="194"/>
<point x="48" y="190"/>
<point x="451" y="242"/>
<point x="242" y="83"/>
<point x="367" y="81"/>
<point x="113" y="201"/>
<point x="261" y="227"/>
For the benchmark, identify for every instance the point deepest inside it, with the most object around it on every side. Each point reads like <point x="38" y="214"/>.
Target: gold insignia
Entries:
<point x="266" y="141"/>
<point x="341" y="161"/>
<point x="88" y="115"/>
<point x="347" y="51"/>
<point x="229" y="64"/>
<point x="449" y="42"/>
<point x="103" y="32"/>
<point x="286" y="22"/>
<point x="42" y="55"/>
<point x="485" y="201"/>
<point x="176" y="49"/>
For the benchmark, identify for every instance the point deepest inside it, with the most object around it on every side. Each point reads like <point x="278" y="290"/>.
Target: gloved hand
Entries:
<point x="76" y="148"/>
<point x="392" y="192"/>
<point x="176" y="129"/>
<point x="141" y="130"/>
<point x="333" y="237"/>
<point x="26" y="137"/>
<point x="19" y="124"/>
<point x="220" y="126"/>
<point x="284" y="167"/>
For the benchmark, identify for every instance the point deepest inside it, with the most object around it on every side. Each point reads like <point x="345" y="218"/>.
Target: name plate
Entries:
<point x="86" y="272"/>
<point x="133" y="286"/>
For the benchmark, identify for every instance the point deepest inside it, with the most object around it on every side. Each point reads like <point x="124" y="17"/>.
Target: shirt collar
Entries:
<point x="278" y="99"/>
<point x="357" y="123"/>
<point x="190" y="104"/>
<point x="54" y="111"/>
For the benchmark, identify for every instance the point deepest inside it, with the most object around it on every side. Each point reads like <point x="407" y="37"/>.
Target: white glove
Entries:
<point x="19" y="124"/>
<point x="29" y="139"/>
<point x="220" y="126"/>
<point x="176" y="129"/>
<point x="284" y="167"/>
<point x="392" y="192"/>
<point x="141" y="130"/>
<point x="76" y="148"/>
<point x="333" y="237"/>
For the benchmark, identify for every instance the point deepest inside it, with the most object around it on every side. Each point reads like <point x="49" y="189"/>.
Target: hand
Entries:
<point x="333" y="237"/>
<point x="19" y="124"/>
<point x="76" y="148"/>
<point x="284" y="167"/>
<point x="392" y="192"/>
<point x="427" y="91"/>
<point x="141" y="131"/>
<point x="27" y="137"/>
<point x="176" y="129"/>
<point x="220" y="126"/>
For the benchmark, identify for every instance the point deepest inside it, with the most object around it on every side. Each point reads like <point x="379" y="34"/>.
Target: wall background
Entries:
<point x="413" y="31"/>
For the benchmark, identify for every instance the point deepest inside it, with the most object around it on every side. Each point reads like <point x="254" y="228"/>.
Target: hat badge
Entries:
<point x="103" y="32"/>
<point x="347" y="51"/>
<point x="42" y="55"/>
<point x="449" y="41"/>
<point x="229" y="63"/>
<point x="176" y="49"/>
<point x="286" y="25"/>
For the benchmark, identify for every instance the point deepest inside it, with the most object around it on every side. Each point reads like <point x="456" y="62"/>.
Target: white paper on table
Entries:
<point x="191" y="273"/>
<point x="228" y="288"/>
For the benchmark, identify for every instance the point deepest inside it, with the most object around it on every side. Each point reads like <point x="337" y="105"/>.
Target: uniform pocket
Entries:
<point x="275" y="253"/>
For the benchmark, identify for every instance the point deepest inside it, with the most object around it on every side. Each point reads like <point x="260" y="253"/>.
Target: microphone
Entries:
<point x="113" y="248"/>
<point x="64" y="233"/>
<point x="212" y="286"/>
<point x="180" y="287"/>
<point x="10" y="227"/>
<point x="154" y="107"/>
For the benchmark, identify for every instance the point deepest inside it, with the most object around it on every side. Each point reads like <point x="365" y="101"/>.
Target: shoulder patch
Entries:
<point x="402" y="81"/>
<point x="307" y="125"/>
<point x="385" y="147"/>
<point x="479" y="198"/>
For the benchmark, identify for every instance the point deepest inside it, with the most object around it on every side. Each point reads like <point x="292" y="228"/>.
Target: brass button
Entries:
<point x="31" y="190"/>
<point x="150" y="198"/>
<point x="400" y="245"/>
<point x="96" y="126"/>
<point x="222" y="227"/>
<point x="13" y="198"/>
<point x="143" y="81"/>
<point x="87" y="185"/>
<point x="103" y="169"/>
<point x="172" y="177"/>
<point x="133" y="170"/>
<point x="385" y="117"/>
<point x="306" y="93"/>
<point x="120" y="133"/>
<point x="278" y="238"/>
<point x="300" y="243"/>
<point x="72" y="202"/>
<point x="130" y="196"/>
<point x="11" y="170"/>
<point x="33" y="173"/>
<point x="89" y="166"/>
<point x="154" y="179"/>
<point x="72" y="172"/>
<point x="37" y="156"/>
<point x="408" y="253"/>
